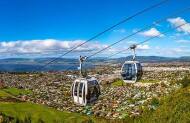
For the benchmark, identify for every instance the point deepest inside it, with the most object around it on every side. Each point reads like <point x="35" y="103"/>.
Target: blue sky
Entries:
<point x="41" y="28"/>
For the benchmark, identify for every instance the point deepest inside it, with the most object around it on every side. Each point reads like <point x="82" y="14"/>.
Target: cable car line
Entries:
<point x="162" y="33"/>
<point x="139" y="43"/>
<point x="131" y="71"/>
<point x="106" y="30"/>
<point x="146" y="27"/>
<point x="146" y="40"/>
<point x="86" y="90"/>
<point x="136" y="44"/>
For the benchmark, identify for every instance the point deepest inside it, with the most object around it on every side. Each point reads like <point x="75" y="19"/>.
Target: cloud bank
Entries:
<point x="151" y="33"/>
<point x="47" y="46"/>
<point x="180" y="21"/>
<point x="53" y="47"/>
<point x="183" y="41"/>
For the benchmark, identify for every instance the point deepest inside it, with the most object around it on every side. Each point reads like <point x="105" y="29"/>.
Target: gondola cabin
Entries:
<point x="85" y="91"/>
<point x="131" y="71"/>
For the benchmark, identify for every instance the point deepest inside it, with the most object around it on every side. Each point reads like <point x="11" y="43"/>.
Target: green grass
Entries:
<point x="16" y="91"/>
<point x="118" y="82"/>
<point x="148" y="81"/>
<point x="20" y="111"/>
<point x="4" y="94"/>
<point x="38" y="112"/>
<point x="174" y="108"/>
<point x="10" y="93"/>
<point x="185" y="81"/>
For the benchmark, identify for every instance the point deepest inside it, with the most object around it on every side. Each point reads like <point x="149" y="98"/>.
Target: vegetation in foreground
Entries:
<point x="148" y="81"/>
<point x="16" y="111"/>
<point x="173" y="108"/>
<point x="23" y="112"/>
<point x="120" y="82"/>
<point x="16" y="91"/>
<point x="10" y="94"/>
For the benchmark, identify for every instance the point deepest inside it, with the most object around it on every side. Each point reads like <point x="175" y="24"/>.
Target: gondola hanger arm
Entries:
<point x="133" y="47"/>
<point x="81" y="60"/>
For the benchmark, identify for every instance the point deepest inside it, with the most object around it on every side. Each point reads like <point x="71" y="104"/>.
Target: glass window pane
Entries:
<point x="80" y="89"/>
<point x="84" y="93"/>
<point x="72" y="89"/>
<point x="129" y="71"/>
<point x="76" y="87"/>
<point x="133" y="75"/>
<point x="88" y="96"/>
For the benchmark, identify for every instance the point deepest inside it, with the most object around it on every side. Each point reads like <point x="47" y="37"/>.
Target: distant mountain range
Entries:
<point x="99" y="59"/>
<point x="156" y="59"/>
<point x="35" y="64"/>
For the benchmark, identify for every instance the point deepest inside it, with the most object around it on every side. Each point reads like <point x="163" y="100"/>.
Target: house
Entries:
<point x="2" y="84"/>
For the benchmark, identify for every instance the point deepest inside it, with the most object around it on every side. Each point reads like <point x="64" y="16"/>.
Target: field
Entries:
<point x="161" y="95"/>
<point x="172" y="108"/>
<point x="27" y="111"/>
<point x="18" y="111"/>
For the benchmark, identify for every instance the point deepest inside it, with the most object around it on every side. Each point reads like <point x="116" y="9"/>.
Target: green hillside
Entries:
<point x="172" y="109"/>
<point x="15" y="111"/>
<point x="38" y="113"/>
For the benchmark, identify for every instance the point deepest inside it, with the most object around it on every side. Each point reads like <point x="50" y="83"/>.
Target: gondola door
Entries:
<point x="129" y="72"/>
<point x="80" y="94"/>
<point x="134" y="72"/>
<point x="75" y="92"/>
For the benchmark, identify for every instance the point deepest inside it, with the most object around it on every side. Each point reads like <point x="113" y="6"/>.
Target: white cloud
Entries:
<point x="156" y="24"/>
<point x="151" y="33"/>
<point x="47" y="46"/>
<point x="180" y="21"/>
<point x="131" y="42"/>
<point x="157" y="47"/>
<point x="179" y="51"/>
<point x="53" y="47"/>
<point x="183" y="41"/>
<point x="172" y="52"/>
<point x="120" y="30"/>
<point x="143" y="47"/>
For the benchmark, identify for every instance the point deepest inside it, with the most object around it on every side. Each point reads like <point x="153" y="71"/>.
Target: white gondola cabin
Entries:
<point x="131" y="71"/>
<point x="85" y="91"/>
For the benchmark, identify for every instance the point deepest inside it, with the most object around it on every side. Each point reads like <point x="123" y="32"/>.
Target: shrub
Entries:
<point x="155" y="102"/>
<point x="174" y="108"/>
<point x="185" y="81"/>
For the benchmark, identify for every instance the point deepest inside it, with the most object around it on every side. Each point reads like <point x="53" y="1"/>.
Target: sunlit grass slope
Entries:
<point x="16" y="92"/>
<point x="174" y="108"/>
<point x="25" y="112"/>
<point x="38" y="113"/>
